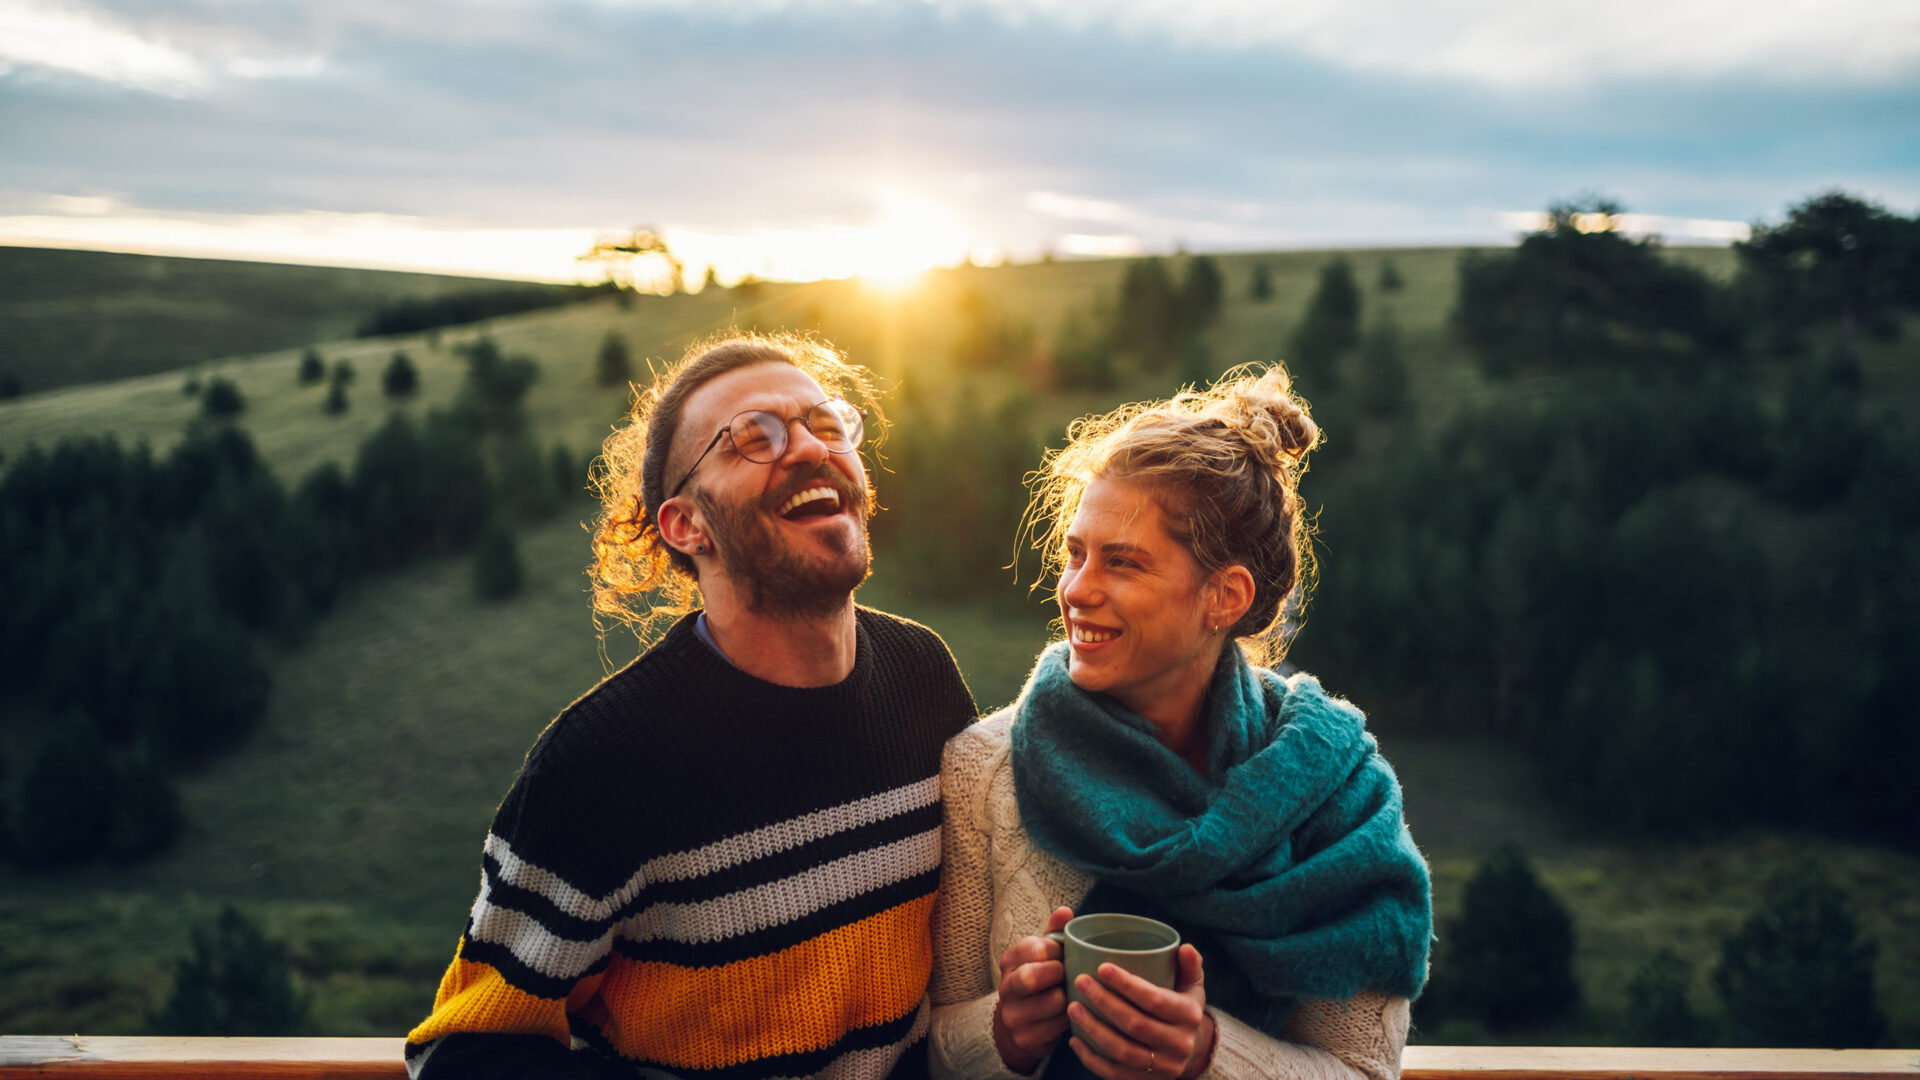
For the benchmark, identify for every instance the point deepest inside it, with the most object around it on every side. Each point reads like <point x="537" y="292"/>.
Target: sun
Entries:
<point x="910" y="236"/>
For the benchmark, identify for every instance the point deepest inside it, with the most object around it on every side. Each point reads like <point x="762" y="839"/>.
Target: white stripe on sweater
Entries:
<point x="762" y="907"/>
<point x="711" y="858"/>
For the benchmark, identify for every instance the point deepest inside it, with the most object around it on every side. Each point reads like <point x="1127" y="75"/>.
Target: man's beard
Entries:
<point x="779" y="581"/>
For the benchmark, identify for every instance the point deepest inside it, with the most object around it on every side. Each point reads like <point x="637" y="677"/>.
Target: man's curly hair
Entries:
<point x="638" y="579"/>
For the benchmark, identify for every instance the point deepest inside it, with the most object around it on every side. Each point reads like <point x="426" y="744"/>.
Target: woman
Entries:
<point x="1148" y="767"/>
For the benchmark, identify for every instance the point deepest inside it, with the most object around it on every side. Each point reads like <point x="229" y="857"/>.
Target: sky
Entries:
<point x="819" y="138"/>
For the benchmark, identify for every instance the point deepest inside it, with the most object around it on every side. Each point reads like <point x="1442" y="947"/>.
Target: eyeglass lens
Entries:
<point x="762" y="436"/>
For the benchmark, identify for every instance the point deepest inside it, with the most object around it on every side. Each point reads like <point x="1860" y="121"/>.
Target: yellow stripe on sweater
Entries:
<point x="475" y="997"/>
<point x="804" y="997"/>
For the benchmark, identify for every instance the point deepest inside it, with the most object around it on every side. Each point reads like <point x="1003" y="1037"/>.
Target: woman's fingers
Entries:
<point x="1191" y="974"/>
<point x="1033" y="978"/>
<point x="1136" y="1008"/>
<point x="1027" y="952"/>
<point x="1099" y="1066"/>
<point x="1180" y="1005"/>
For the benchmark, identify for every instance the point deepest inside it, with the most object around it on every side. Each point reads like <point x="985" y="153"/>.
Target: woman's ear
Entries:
<point x="1230" y="594"/>
<point x="682" y="528"/>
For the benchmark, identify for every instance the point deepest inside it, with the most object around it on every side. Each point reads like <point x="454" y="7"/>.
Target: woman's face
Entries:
<point x="1132" y="599"/>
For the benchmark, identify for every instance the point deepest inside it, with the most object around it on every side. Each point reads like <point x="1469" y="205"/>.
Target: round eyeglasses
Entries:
<point x="762" y="436"/>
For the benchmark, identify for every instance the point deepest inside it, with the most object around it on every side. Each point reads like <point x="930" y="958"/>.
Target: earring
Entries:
<point x="699" y="549"/>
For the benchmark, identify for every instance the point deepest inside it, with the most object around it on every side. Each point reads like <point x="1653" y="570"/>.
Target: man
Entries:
<point x="722" y="860"/>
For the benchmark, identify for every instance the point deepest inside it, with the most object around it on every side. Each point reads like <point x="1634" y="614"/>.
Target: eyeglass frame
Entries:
<point x="786" y="433"/>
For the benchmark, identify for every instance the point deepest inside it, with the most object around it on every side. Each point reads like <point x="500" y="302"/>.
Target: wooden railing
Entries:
<point x="128" y="1058"/>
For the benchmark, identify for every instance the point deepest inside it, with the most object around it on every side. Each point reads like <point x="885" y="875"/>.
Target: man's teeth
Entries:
<point x="809" y="495"/>
<point x="1090" y="636"/>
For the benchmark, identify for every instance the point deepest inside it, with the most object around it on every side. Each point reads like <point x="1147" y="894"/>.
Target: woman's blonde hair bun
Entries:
<point x="1265" y="413"/>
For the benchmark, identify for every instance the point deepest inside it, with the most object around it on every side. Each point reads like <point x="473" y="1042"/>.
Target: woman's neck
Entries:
<point x="1180" y="723"/>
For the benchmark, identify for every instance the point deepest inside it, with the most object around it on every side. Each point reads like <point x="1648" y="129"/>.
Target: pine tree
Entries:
<point x="1331" y="327"/>
<point x="312" y="367"/>
<point x="1261" y="289"/>
<point x="1383" y="372"/>
<point x="612" y="367"/>
<point x="222" y="399"/>
<point x="237" y="982"/>
<point x="496" y="565"/>
<point x="1202" y="291"/>
<point x="401" y="378"/>
<point x="1510" y="950"/>
<point x="1390" y="279"/>
<point x="1796" y="972"/>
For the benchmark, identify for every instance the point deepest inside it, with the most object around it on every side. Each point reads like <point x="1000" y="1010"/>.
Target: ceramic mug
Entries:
<point x="1146" y="947"/>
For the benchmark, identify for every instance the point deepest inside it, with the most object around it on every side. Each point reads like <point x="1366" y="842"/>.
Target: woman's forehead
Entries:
<point x="1119" y="510"/>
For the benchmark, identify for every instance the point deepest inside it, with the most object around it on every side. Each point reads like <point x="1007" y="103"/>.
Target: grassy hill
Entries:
<point x="69" y="317"/>
<point x="350" y="821"/>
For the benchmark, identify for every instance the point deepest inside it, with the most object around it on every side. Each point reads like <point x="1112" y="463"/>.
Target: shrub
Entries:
<point x="1510" y="950"/>
<point x="237" y="982"/>
<point x="1796" y="972"/>
<point x="222" y="398"/>
<point x="312" y="367"/>
<point x="401" y="378"/>
<point x="1390" y="279"/>
<point x="1657" y="1009"/>
<point x="336" y="402"/>
<point x="66" y="798"/>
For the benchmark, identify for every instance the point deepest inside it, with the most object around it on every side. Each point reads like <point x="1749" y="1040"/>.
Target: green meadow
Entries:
<point x="89" y="316"/>
<point x="349" y="821"/>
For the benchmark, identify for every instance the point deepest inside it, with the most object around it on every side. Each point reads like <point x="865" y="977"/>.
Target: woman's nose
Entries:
<point x="1078" y="588"/>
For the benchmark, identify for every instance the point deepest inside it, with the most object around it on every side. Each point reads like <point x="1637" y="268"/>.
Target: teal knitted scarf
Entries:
<point x="1288" y="865"/>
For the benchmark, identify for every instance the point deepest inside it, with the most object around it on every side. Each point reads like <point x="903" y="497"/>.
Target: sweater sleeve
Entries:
<point x="1325" y="1040"/>
<point x="535" y="948"/>
<point x="963" y="990"/>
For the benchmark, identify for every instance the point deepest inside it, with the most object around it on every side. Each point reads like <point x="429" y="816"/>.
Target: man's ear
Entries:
<point x="682" y="527"/>
<point x="1231" y="592"/>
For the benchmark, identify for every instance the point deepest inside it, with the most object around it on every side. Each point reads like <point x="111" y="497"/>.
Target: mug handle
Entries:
<point x="1058" y="937"/>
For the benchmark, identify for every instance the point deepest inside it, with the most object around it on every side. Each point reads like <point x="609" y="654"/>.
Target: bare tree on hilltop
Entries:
<point x="617" y="254"/>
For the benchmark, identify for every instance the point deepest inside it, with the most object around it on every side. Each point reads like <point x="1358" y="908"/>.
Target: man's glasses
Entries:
<point x="762" y="437"/>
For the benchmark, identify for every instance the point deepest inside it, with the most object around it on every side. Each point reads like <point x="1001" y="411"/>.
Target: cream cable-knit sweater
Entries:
<point x="996" y="888"/>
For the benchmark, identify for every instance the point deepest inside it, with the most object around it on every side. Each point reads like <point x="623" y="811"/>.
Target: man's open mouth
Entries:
<point x="811" y="504"/>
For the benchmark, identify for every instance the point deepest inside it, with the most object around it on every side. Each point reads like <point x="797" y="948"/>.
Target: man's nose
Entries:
<point x="803" y="446"/>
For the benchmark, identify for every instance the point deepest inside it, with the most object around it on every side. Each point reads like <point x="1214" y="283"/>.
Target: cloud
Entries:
<point x="180" y="61"/>
<point x="1495" y="42"/>
<point x="79" y="43"/>
<point x="1019" y="123"/>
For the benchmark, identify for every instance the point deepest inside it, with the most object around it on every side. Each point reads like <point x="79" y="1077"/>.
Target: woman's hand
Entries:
<point x="1031" y="1014"/>
<point x="1149" y="1030"/>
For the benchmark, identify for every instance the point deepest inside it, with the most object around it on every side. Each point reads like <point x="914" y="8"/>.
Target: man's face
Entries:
<point x="791" y="533"/>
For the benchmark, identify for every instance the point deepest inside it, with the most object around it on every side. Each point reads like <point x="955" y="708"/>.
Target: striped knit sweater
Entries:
<point x="707" y="875"/>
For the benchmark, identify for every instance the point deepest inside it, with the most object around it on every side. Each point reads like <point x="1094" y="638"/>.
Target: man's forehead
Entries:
<point x="773" y="386"/>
